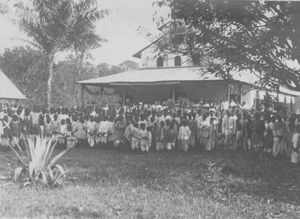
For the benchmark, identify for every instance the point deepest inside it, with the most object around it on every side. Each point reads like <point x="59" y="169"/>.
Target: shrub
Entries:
<point x="38" y="164"/>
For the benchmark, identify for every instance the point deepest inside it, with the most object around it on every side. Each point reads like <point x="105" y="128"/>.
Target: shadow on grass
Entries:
<point x="267" y="178"/>
<point x="188" y="173"/>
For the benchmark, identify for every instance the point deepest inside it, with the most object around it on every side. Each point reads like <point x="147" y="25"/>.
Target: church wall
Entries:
<point x="150" y="55"/>
<point x="248" y="98"/>
<point x="216" y="91"/>
<point x="297" y="104"/>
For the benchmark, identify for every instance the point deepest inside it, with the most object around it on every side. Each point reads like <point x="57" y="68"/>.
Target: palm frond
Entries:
<point x="17" y="155"/>
<point x="84" y="5"/>
<point x="57" y="157"/>
<point x="17" y="175"/>
<point x="26" y="13"/>
<point x="50" y="152"/>
<point x="28" y="41"/>
<point x="57" y="25"/>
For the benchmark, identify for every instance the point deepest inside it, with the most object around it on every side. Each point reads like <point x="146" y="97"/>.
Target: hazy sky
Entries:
<point x="119" y="28"/>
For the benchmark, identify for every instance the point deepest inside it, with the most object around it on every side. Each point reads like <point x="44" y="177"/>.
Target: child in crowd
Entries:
<point x="184" y="136"/>
<point x="110" y="130"/>
<point x="48" y="127"/>
<point x="91" y="131"/>
<point x="15" y="130"/>
<point x="170" y="136"/>
<point x="127" y="133"/>
<point x="145" y="138"/>
<point x="80" y="132"/>
<point x="63" y="132"/>
<point x="41" y="125"/>
<point x="239" y="132"/>
<point x="203" y="124"/>
<point x="296" y="149"/>
<point x="247" y="132"/>
<point x="56" y="125"/>
<point x="35" y="121"/>
<point x="258" y="129"/>
<point x="193" y="126"/>
<point x="69" y="126"/>
<point x="134" y="135"/>
<point x="1" y="131"/>
<point x="27" y="122"/>
<point x="228" y="128"/>
<point x="71" y="140"/>
<point x="6" y="131"/>
<point x="212" y="134"/>
<point x="103" y="131"/>
<point x="97" y="125"/>
<point x="159" y="136"/>
<point x="268" y="136"/>
<point x="119" y="130"/>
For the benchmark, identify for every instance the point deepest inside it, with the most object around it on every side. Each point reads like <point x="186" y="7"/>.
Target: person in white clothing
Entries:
<point x="228" y="129"/>
<point x="91" y="131"/>
<point x="134" y="137"/>
<point x="103" y="130"/>
<point x="295" y="156"/>
<point x="145" y="138"/>
<point x="1" y="131"/>
<point x="184" y="136"/>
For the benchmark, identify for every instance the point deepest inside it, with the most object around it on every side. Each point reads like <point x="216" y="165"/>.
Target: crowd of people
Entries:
<point x="158" y="127"/>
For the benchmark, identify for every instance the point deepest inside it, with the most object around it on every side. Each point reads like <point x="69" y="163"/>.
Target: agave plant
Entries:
<point x="38" y="164"/>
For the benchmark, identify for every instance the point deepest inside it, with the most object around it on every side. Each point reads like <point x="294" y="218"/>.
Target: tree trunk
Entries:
<point x="49" y="70"/>
<point x="79" y="68"/>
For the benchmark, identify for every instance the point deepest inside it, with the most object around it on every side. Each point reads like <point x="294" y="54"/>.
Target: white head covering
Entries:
<point x="232" y="104"/>
<point x="246" y="106"/>
<point x="212" y="109"/>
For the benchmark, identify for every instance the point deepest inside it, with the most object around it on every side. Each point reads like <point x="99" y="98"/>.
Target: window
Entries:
<point x="177" y="61"/>
<point x="160" y="62"/>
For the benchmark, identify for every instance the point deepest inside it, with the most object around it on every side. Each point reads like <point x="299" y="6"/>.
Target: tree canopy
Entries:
<point x="58" y="26"/>
<point x="261" y="37"/>
<point x="25" y="67"/>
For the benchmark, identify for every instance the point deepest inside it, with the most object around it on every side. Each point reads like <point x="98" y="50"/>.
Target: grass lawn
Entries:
<point x="113" y="184"/>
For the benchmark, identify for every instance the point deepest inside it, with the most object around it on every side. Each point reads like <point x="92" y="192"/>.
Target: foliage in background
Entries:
<point x="26" y="66"/>
<point x="271" y="103"/>
<point x="257" y="36"/>
<point x="65" y="77"/>
<point x="16" y="62"/>
<point x="56" y="26"/>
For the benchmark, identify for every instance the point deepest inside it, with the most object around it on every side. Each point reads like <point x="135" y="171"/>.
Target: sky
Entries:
<point x="120" y="29"/>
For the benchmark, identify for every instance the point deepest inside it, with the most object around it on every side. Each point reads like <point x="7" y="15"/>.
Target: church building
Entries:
<point x="164" y="76"/>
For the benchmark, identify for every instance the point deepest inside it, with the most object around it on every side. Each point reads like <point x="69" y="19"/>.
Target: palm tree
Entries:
<point x="60" y="25"/>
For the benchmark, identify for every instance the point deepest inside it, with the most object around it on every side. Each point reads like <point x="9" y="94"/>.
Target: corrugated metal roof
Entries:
<point x="173" y="74"/>
<point x="8" y="90"/>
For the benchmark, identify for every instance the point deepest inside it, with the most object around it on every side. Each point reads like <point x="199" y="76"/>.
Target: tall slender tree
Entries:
<point x="59" y="25"/>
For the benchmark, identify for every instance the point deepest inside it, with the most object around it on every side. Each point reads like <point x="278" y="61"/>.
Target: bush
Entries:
<point x="38" y="164"/>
